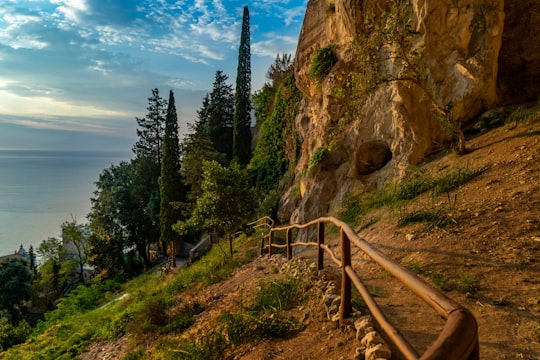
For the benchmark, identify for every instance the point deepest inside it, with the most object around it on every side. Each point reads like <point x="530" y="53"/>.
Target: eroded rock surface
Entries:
<point x="464" y="43"/>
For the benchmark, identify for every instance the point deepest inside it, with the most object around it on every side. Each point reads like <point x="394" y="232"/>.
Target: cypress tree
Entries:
<point x="242" y="116"/>
<point x="170" y="182"/>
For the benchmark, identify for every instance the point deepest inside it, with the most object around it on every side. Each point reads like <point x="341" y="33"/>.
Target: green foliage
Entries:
<point x="317" y="158"/>
<point x="330" y="8"/>
<point x="323" y="61"/>
<point x="280" y="69"/>
<point x="351" y="210"/>
<point x="522" y="116"/>
<point x="215" y="122"/>
<point x="434" y="217"/>
<point x="82" y="298"/>
<point x="397" y="194"/>
<point x="15" y="286"/>
<point x="466" y="283"/>
<point x="106" y="310"/>
<point x="226" y="201"/>
<point x="277" y="295"/>
<point x="277" y="143"/>
<point x="440" y="281"/>
<point x="170" y="182"/>
<point x="143" y="182"/>
<point x="242" y="104"/>
<point x="414" y="266"/>
<point x="263" y="319"/>
<point x="11" y="335"/>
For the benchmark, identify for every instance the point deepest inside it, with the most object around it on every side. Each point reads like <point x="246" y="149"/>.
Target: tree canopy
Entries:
<point x="15" y="285"/>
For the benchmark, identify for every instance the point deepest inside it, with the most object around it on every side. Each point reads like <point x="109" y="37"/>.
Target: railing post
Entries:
<point x="320" y="239"/>
<point x="262" y="243"/>
<point x="289" y="243"/>
<point x="346" y="294"/>
<point x="270" y="241"/>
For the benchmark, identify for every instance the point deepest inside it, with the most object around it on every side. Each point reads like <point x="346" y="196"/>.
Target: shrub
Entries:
<point x="323" y="61"/>
<point x="318" y="157"/>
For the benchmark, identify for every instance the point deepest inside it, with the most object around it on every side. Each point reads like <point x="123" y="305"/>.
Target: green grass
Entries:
<point x="90" y="314"/>
<point x="260" y="320"/>
<point x="466" y="283"/>
<point x="414" y="266"/>
<point x="434" y="218"/>
<point x="401" y="193"/>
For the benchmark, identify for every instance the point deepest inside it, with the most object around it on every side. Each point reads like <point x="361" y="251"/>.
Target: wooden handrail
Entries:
<point x="459" y="337"/>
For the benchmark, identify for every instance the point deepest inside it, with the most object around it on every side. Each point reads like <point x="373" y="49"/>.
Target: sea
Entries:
<point x="41" y="189"/>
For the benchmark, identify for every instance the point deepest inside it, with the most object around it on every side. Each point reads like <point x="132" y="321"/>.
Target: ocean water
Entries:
<point x="39" y="190"/>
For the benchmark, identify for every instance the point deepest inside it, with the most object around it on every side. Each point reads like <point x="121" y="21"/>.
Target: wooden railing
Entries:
<point x="459" y="337"/>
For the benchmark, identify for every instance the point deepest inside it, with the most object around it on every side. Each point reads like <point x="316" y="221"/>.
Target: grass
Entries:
<point x="466" y="283"/>
<point x="399" y="194"/>
<point x="434" y="218"/>
<point x="414" y="266"/>
<point x="262" y="319"/>
<point x="440" y="281"/>
<point x="90" y="314"/>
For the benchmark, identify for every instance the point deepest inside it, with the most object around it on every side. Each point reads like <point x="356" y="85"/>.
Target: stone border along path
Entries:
<point x="372" y="345"/>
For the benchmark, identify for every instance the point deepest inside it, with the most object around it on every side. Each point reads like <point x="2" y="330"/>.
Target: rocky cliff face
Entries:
<point x="462" y="43"/>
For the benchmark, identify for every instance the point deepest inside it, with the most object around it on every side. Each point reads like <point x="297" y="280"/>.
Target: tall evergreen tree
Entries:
<point x="242" y="111"/>
<point x="148" y="153"/>
<point x="220" y="114"/>
<point x="170" y="182"/>
<point x="151" y="130"/>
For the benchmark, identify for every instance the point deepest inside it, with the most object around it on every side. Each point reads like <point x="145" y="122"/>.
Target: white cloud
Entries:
<point x="294" y="15"/>
<point x="276" y="44"/>
<point x="71" y="9"/>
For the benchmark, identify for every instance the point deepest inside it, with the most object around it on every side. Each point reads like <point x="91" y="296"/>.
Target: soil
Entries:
<point x="487" y="260"/>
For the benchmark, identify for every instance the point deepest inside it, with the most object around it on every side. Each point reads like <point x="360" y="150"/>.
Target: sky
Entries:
<point x="74" y="74"/>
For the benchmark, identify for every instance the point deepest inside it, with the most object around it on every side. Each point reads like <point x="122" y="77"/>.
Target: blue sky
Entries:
<point x="74" y="74"/>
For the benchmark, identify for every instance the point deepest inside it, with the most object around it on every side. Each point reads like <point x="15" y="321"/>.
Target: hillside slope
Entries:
<point x="486" y="258"/>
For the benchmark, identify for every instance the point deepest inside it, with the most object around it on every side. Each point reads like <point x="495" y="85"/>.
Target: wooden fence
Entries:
<point x="459" y="338"/>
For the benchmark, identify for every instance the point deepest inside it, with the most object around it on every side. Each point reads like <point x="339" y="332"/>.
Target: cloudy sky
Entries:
<point x="74" y="74"/>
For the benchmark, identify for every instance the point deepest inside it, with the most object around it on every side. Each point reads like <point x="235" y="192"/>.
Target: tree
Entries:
<point x="74" y="240"/>
<point x="282" y="66"/>
<point x="170" y="181"/>
<point x="50" y="282"/>
<point x="242" y="110"/>
<point x="148" y="154"/>
<point x="33" y="263"/>
<point x="220" y="113"/>
<point x="151" y="130"/>
<point x="225" y="203"/>
<point x="196" y="150"/>
<point x="15" y="286"/>
<point x="114" y="218"/>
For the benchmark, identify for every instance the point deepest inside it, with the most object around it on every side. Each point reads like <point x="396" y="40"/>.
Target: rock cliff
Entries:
<point x="477" y="54"/>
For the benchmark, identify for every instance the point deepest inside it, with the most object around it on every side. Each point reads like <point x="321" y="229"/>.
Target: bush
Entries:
<point x="323" y="61"/>
<point x="12" y="335"/>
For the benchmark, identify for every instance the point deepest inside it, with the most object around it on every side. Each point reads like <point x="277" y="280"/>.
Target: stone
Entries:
<point x="359" y="353"/>
<point x="476" y="56"/>
<point x="371" y="339"/>
<point x="379" y="351"/>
